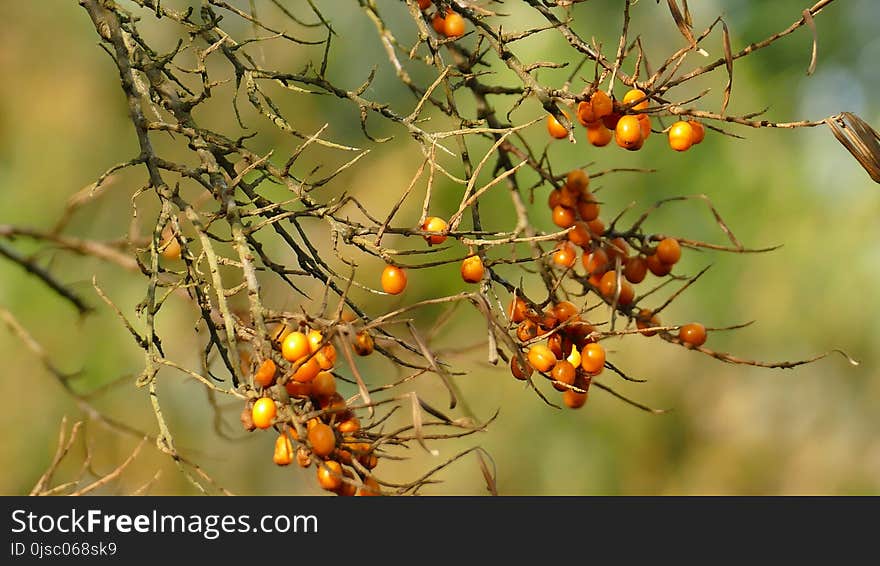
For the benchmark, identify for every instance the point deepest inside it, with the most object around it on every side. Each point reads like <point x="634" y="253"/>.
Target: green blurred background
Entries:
<point x="732" y="429"/>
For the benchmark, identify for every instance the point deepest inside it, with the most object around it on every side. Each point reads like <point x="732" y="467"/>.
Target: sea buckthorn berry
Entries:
<point x="617" y="248"/>
<point x="565" y="254"/>
<point x="541" y="357"/>
<point x="453" y="26"/>
<point x="593" y="358"/>
<point x="363" y="343"/>
<point x="636" y="269"/>
<point x="263" y="412"/>
<point x="424" y="4"/>
<point x="472" y="269"/>
<point x="278" y="332"/>
<point x="555" y="129"/>
<point x="598" y="135"/>
<point x="315" y="338"/>
<point x="547" y="320"/>
<point x="370" y="487"/>
<point x="349" y="426"/>
<point x="564" y="310"/>
<point x="577" y="180"/>
<point x="580" y="333"/>
<point x="297" y="389"/>
<point x="326" y="357"/>
<point x="632" y="96"/>
<point x="596" y="262"/>
<point x="554" y="198"/>
<point x="322" y="439"/>
<point x="602" y="104"/>
<point x="693" y="334"/>
<point x="574" y="358"/>
<point x="563" y="216"/>
<point x="283" y="454"/>
<point x="699" y="131"/>
<point x="568" y="197"/>
<point x="295" y="347"/>
<point x="324" y="384"/>
<point x="435" y="224"/>
<point x="610" y="121"/>
<point x="517" y="310"/>
<point x="580" y="234"/>
<point x="563" y="372"/>
<point x="629" y="133"/>
<point x="574" y="400"/>
<point x="527" y="330"/>
<point x="348" y="488"/>
<point x="520" y="370"/>
<point x="393" y="280"/>
<point x="335" y="404"/>
<point x="306" y="371"/>
<point x="645" y="123"/>
<point x="170" y="247"/>
<point x="681" y="136"/>
<point x="266" y="374"/>
<point x="596" y="226"/>
<point x="560" y="344"/>
<point x="669" y="251"/>
<point x="647" y="319"/>
<point x="657" y="267"/>
<point x="438" y="22"/>
<point x="585" y="114"/>
<point x="608" y="287"/>
<point x="330" y="475"/>
<point x="587" y="207"/>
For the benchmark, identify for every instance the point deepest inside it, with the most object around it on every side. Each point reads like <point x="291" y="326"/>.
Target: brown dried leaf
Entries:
<point x="728" y="63"/>
<point x="860" y="139"/>
<point x="808" y="19"/>
<point x="682" y="22"/>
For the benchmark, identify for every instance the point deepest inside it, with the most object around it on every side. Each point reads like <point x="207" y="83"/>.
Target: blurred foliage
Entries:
<point x="732" y="429"/>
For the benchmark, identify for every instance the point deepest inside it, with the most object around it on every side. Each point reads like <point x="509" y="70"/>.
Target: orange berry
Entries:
<point x="602" y="104"/>
<point x="617" y="248"/>
<point x="632" y="96"/>
<point x="527" y="330"/>
<point x="636" y="269"/>
<point x="453" y="25"/>
<point x="596" y="263"/>
<point x="349" y="426"/>
<point x="596" y="226"/>
<point x="315" y="339"/>
<point x="587" y="207"/>
<point x="393" y="280"/>
<point x="541" y="357"/>
<point x="657" y="267"/>
<point x="306" y="371"/>
<point x="424" y="4"/>
<point x="520" y="370"/>
<point x="610" y="121"/>
<point x="370" y="487"/>
<point x="322" y="439"/>
<point x="330" y="475"/>
<point x="438" y="22"/>
<point x="629" y="133"/>
<point x="580" y="234"/>
<point x="563" y="216"/>
<point x="517" y="310"/>
<point x="263" y="412"/>
<point x="645" y="123"/>
<point x="295" y="347"/>
<point x="565" y="254"/>
<point x="577" y="180"/>
<point x="585" y="113"/>
<point x="266" y="374"/>
<point x="564" y="310"/>
<point x="647" y="319"/>
<point x="593" y="358"/>
<point x="324" y="385"/>
<point x="563" y="372"/>
<point x="278" y="332"/>
<point x="554" y="198"/>
<point x="573" y="399"/>
<point x="472" y="269"/>
<point x="283" y="454"/>
<point x="297" y="389"/>
<point x="363" y="343"/>
<point x="598" y="135"/>
<point x="681" y="136"/>
<point x="693" y="334"/>
<point x="555" y="129"/>
<point x="326" y="357"/>
<point x="669" y="251"/>
<point x="434" y="224"/>
<point x="699" y="131"/>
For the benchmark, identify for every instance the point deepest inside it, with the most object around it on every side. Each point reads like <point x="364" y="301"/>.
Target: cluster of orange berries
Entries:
<point x="330" y="438"/>
<point x="450" y="25"/>
<point x="605" y="118"/>
<point x="394" y="280"/>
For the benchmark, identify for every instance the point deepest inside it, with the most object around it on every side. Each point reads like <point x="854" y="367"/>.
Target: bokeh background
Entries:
<point x="732" y="429"/>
